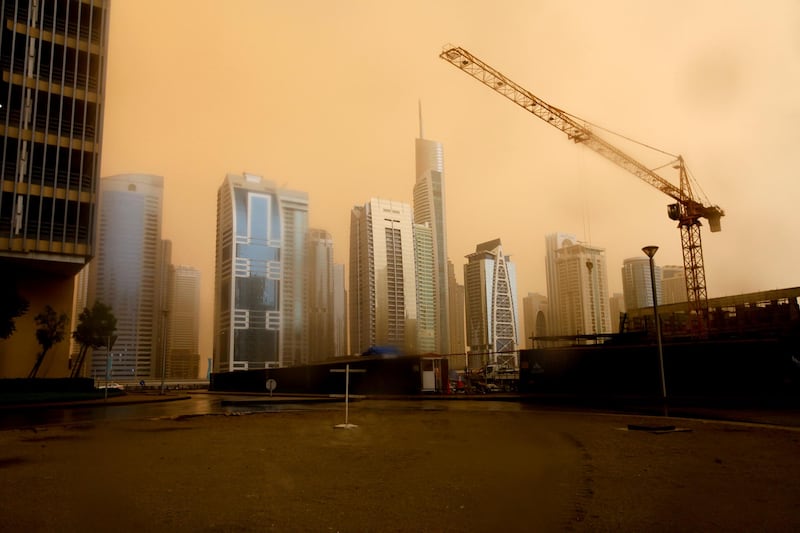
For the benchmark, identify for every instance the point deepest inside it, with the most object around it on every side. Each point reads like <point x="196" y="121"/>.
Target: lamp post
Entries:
<point x="650" y="251"/>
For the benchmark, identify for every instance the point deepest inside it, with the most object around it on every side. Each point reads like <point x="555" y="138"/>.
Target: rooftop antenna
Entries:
<point x="419" y="103"/>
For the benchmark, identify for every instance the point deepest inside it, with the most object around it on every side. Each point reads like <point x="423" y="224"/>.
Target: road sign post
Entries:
<point x="347" y="371"/>
<point x="271" y="386"/>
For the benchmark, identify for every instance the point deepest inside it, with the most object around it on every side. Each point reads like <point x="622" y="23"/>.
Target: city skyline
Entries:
<point x="701" y="91"/>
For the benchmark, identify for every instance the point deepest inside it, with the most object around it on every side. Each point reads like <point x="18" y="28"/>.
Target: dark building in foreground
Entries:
<point x="373" y="375"/>
<point x="52" y="58"/>
<point x="752" y="351"/>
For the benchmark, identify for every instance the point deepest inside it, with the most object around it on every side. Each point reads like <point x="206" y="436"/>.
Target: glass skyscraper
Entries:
<point x="429" y="208"/>
<point x="490" y="284"/>
<point x="259" y="314"/>
<point x="127" y="275"/>
<point x="636" y="284"/>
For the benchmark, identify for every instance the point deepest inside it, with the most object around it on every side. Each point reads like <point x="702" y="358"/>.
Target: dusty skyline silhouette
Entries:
<point x="322" y="97"/>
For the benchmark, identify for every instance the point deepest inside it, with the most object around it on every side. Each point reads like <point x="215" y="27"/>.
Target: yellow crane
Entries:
<point x="687" y="209"/>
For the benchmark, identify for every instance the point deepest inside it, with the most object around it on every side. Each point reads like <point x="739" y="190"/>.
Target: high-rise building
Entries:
<point x="183" y="315"/>
<point x="429" y="208"/>
<point x="554" y="242"/>
<point x="52" y="57"/>
<point x="637" y="287"/>
<point x="673" y="284"/>
<point x="490" y="283"/>
<point x="340" y="344"/>
<point x="582" y="290"/>
<point x="127" y="275"/>
<point x="458" y="341"/>
<point x="259" y="308"/>
<point x="383" y="293"/>
<point x="293" y="293"/>
<point x="534" y="312"/>
<point x="426" y="290"/>
<point x="319" y="262"/>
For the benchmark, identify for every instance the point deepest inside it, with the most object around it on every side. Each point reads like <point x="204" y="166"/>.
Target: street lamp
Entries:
<point x="650" y="251"/>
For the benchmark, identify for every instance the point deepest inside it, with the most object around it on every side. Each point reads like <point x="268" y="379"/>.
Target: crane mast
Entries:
<point x="686" y="210"/>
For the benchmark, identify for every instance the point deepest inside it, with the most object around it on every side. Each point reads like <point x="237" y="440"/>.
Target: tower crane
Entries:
<point x="687" y="209"/>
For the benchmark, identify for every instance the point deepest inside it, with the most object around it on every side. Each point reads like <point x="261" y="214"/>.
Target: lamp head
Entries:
<point x="650" y="251"/>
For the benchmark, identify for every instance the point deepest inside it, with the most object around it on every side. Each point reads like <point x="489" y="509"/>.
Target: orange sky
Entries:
<point x="322" y="97"/>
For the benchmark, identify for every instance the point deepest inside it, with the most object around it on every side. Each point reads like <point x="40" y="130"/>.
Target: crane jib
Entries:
<point x="687" y="210"/>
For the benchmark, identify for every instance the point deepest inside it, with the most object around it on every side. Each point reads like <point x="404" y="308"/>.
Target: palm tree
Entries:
<point x="50" y="331"/>
<point x="96" y="327"/>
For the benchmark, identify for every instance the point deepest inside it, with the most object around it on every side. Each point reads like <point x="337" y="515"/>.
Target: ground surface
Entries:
<point x="408" y="466"/>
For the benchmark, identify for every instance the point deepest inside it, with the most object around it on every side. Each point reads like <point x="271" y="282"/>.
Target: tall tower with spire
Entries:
<point x="429" y="208"/>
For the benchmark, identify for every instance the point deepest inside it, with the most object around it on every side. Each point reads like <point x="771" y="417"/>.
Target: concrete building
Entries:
<point x="128" y="275"/>
<point x="534" y="312"/>
<point x="553" y="243"/>
<point x="53" y="60"/>
<point x="383" y="293"/>
<point x="259" y="309"/>
<point x="321" y="315"/>
<point x="490" y="284"/>
<point x="582" y="290"/>
<point x="429" y="208"/>
<point x="637" y="285"/>
<point x="183" y="316"/>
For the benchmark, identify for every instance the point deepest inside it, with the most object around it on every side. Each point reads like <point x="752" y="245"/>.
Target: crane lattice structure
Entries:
<point x="687" y="209"/>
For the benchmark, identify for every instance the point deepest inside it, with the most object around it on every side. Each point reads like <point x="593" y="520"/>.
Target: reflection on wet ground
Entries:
<point x="210" y="404"/>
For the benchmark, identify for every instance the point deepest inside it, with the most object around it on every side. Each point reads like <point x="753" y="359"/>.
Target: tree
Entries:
<point x="50" y="331"/>
<point x="96" y="327"/>
<point x="12" y="305"/>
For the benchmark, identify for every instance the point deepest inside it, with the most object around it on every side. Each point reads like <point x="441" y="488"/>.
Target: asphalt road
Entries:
<point x="408" y="466"/>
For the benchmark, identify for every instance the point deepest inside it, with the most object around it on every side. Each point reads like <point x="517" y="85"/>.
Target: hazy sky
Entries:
<point x="321" y="96"/>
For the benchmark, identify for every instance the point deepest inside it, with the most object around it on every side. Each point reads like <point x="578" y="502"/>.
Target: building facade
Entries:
<point x="319" y="262"/>
<point x="490" y="284"/>
<point x="637" y="287"/>
<point x="426" y="289"/>
<point x="340" y="345"/>
<point x="616" y="305"/>
<point x="383" y="293"/>
<point x="429" y="208"/>
<point x="458" y="340"/>
<point x="259" y="312"/>
<point x="582" y="290"/>
<point x="534" y="311"/>
<point x="554" y="242"/>
<point x="128" y="275"/>
<point x="293" y="292"/>
<point x="183" y="316"/>
<point x="53" y="58"/>
<point x="673" y="285"/>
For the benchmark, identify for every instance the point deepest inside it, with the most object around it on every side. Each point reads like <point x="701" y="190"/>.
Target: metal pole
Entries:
<point x="163" y="348"/>
<point x="108" y="364"/>
<point x="650" y="251"/>
<point x="347" y="395"/>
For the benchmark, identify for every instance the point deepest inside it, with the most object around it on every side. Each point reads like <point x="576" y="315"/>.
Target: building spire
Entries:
<point x="419" y="103"/>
